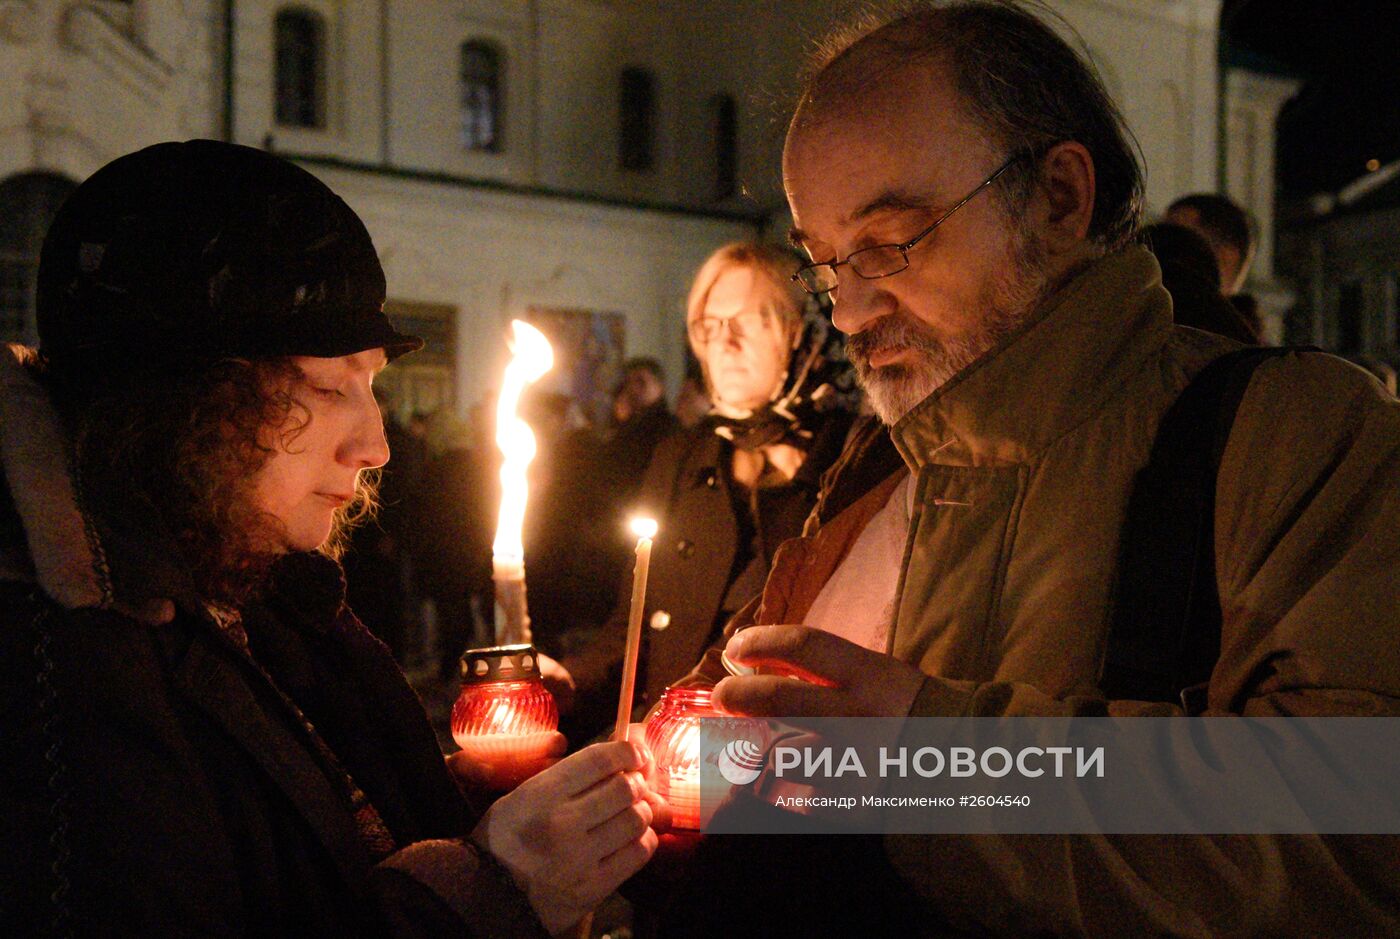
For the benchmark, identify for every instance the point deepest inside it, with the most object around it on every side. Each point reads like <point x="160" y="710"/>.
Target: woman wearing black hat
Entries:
<point x="199" y="737"/>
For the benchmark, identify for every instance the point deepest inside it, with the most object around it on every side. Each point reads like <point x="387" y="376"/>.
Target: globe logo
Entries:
<point x="740" y="762"/>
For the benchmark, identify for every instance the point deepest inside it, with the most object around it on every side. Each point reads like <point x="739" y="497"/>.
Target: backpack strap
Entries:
<point x="1164" y="637"/>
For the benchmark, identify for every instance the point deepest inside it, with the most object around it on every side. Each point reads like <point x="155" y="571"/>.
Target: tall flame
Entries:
<point x="531" y="358"/>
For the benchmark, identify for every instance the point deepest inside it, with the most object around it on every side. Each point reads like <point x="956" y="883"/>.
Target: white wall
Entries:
<point x="424" y="42"/>
<point x="79" y="92"/>
<point x="353" y="79"/>
<point x="1158" y="59"/>
<point x="1252" y="105"/>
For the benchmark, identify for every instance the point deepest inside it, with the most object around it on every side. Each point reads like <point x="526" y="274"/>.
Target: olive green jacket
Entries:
<point x="1023" y="467"/>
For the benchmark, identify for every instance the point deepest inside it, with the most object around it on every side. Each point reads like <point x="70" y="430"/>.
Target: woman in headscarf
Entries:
<point x="731" y="489"/>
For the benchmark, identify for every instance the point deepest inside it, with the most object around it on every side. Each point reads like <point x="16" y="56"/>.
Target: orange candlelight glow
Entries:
<point x="673" y="735"/>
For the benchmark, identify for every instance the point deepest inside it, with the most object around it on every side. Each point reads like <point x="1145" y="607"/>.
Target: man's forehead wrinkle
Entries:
<point x="891" y="200"/>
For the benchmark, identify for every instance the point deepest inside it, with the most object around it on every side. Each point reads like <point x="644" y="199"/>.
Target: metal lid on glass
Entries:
<point x="500" y="663"/>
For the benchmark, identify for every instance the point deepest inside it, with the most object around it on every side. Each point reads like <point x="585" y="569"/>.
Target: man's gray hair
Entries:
<point x="1018" y="79"/>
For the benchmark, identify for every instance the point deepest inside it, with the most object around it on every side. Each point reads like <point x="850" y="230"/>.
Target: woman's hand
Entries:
<point x="483" y="778"/>
<point x="572" y="834"/>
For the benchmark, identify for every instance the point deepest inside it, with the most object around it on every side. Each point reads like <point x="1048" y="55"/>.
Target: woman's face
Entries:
<point x="314" y="471"/>
<point x="746" y="352"/>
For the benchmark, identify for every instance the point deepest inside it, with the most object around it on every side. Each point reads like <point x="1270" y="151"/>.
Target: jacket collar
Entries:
<point x="68" y="564"/>
<point x="79" y="562"/>
<point x="75" y="557"/>
<point x="1095" y="333"/>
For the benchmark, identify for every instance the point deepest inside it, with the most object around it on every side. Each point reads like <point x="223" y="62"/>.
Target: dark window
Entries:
<point x="1350" y="310"/>
<point x="300" y="37"/>
<point x="724" y="117"/>
<point x="28" y="204"/>
<point x="481" y="96"/>
<point x="637" y="119"/>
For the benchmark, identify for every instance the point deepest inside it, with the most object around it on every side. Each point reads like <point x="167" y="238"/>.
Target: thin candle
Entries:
<point x="531" y="358"/>
<point x="645" y="530"/>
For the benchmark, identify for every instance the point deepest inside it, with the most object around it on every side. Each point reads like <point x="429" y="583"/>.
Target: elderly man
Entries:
<point x="968" y="197"/>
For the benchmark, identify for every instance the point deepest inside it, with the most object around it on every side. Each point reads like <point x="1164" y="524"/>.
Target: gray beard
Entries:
<point x="1010" y="302"/>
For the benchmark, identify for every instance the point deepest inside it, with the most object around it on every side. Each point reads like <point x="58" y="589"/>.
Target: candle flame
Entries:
<point x="644" y="527"/>
<point x="531" y="358"/>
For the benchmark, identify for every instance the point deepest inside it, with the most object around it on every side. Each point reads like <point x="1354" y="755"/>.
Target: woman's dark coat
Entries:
<point x="688" y="489"/>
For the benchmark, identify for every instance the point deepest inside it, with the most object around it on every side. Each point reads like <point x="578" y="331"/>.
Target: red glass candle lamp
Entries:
<point x="673" y="735"/>
<point x="504" y="719"/>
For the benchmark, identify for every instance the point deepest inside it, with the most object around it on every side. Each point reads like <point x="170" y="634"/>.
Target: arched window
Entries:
<point x="28" y="203"/>
<point x="300" y="56"/>
<point x="724" y="120"/>
<point x="637" y="119"/>
<point x="481" y="67"/>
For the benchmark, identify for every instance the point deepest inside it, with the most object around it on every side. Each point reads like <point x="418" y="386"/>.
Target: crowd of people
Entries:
<point x="202" y="737"/>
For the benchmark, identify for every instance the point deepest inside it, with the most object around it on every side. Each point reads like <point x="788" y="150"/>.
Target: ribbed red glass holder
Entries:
<point x="504" y="719"/>
<point x="673" y="734"/>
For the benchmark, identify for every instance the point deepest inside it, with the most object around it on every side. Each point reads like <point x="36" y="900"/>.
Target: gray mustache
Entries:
<point x="894" y="330"/>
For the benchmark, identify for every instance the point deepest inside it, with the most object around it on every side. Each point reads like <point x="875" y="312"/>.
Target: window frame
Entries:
<point x="319" y="70"/>
<point x="495" y="84"/>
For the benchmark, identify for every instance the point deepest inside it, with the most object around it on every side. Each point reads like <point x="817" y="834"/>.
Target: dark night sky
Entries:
<point x="1348" y="54"/>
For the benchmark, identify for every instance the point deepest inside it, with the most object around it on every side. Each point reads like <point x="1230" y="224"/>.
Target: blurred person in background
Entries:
<point x="729" y="490"/>
<point x="575" y="542"/>
<point x="1190" y="274"/>
<point x="1227" y="228"/>
<point x="692" y="400"/>
<point x="641" y="419"/>
<point x="444" y="563"/>
<point x="563" y="568"/>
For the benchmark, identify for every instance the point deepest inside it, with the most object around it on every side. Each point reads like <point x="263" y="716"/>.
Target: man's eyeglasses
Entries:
<point x="706" y="329"/>
<point x="884" y="260"/>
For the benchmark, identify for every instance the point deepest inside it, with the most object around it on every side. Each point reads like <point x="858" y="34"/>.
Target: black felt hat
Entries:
<point x="197" y="251"/>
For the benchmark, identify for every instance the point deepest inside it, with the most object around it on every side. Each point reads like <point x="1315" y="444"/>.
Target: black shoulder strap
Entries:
<point x="1165" y="634"/>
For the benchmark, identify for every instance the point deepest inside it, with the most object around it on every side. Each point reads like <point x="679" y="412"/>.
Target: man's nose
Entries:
<point x="857" y="302"/>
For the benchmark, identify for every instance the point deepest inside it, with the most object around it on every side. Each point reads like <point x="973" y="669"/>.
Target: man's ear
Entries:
<point x="1065" y="196"/>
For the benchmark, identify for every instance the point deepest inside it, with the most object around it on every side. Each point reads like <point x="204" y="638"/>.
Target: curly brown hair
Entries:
<point x="184" y="451"/>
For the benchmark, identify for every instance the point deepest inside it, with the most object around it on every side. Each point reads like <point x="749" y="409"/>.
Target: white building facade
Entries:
<point x="566" y="158"/>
